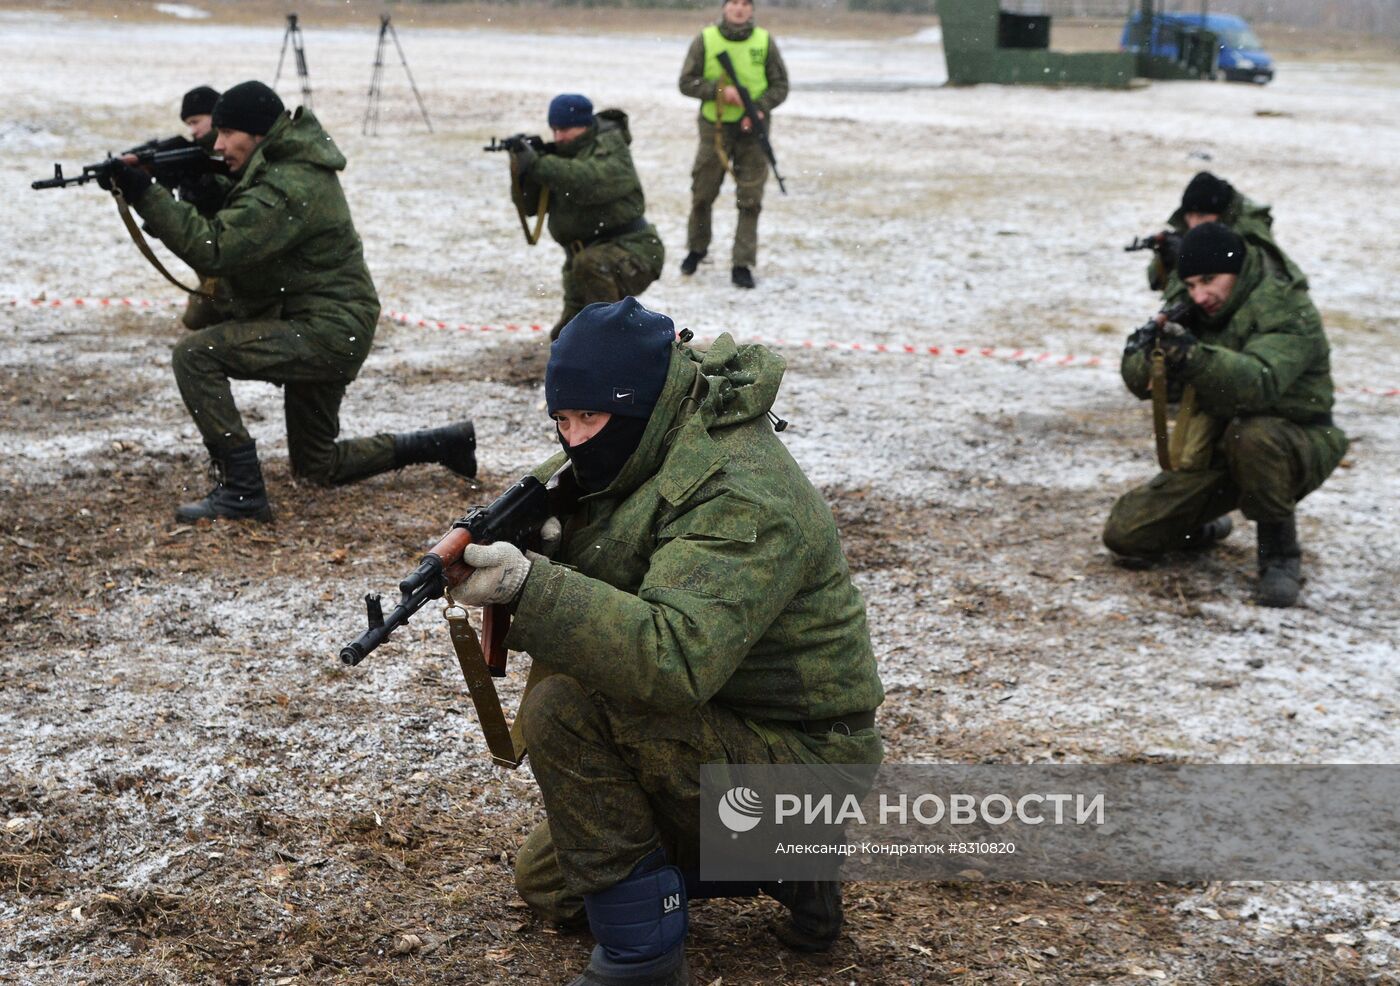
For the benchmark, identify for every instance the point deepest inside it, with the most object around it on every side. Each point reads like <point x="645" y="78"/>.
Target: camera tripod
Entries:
<point x="293" y="34"/>
<point x="376" y="87"/>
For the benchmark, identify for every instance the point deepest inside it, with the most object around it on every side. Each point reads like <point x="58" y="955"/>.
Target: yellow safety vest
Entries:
<point x="750" y="58"/>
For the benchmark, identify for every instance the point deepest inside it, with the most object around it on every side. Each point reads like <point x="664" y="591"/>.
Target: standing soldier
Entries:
<point x="727" y="139"/>
<point x="697" y="608"/>
<point x="1208" y="199"/>
<point x="1256" y="357"/>
<point x="296" y="304"/>
<point x="588" y="185"/>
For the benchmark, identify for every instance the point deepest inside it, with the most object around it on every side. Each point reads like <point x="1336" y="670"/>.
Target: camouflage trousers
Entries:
<point x="750" y="166"/>
<point x="313" y="384"/>
<point x="1262" y="466"/>
<point x="609" y="271"/>
<point x="617" y="783"/>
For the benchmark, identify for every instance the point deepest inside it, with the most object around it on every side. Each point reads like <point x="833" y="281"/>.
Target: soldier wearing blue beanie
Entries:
<point x="569" y="109"/>
<point x="585" y="182"/>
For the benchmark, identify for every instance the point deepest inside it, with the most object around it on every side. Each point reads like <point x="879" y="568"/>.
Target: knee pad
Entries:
<point x="642" y="918"/>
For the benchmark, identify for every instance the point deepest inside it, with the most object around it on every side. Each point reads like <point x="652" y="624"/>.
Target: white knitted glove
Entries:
<point x="551" y="534"/>
<point x="498" y="573"/>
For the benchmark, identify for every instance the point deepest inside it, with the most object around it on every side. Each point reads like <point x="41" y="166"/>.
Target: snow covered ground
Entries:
<point x="971" y="489"/>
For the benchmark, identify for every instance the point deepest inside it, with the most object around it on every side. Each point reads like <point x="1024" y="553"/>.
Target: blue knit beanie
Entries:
<point x="610" y="357"/>
<point x="570" y="110"/>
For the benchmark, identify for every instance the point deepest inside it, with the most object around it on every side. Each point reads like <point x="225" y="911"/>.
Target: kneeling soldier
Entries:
<point x="698" y="609"/>
<point x="1208" y="199"/>
<point x="1257" y="358"/>
<point x="295" y="301"/>
<point x="596" y="206"/>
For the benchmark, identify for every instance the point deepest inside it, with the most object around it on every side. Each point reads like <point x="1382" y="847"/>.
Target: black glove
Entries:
<point x="523" y="156"/>
<point x="1176" y="343"/>
<point x="1141" y="339"/>
<point x="132" y="182"/>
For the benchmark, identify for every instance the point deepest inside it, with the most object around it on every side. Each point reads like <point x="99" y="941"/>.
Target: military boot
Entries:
<point x="640" y="926"/>
<point x="453" y="446"/>
<point x="814" y="913"/>
<point x="1210" y="533"/>
<point x="238" y="492"/>
<point x="692" y="261"/>
<point x="741" y="277"/>
<point x="1280" y="574"/>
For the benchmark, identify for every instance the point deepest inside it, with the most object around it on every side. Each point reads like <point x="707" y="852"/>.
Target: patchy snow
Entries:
<point x="183" y="11"/>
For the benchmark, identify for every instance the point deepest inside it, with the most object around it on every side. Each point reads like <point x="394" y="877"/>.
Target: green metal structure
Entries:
<point x="983" y="43"/>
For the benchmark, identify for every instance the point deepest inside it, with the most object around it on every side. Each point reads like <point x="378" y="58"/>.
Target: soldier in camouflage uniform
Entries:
<point x="1256" y="355"/>
<point x="596" y="206"/>
<point x="1208" y="199"/>
<point x="205" y="192"/>
<point x="297" y="306"/>
<point x="723" y="125"/>
<point x="698" y="609"/>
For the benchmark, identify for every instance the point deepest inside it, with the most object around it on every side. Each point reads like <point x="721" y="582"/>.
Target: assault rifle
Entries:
<point x="1166" y="244"/>
<point x="1145" y="339"/>
<point x="760" y="129"/>
<point x="518" y="142"/>
<point x="515" y="516"/>
<point x="169" y="161"/>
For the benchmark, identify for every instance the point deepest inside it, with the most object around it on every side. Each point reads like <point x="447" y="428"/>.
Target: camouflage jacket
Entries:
<point x="1265" y="352"/>
<point x="283" y="246"/>
<point x="1252" y="220"/>
<point x="593" y="186"/>
<point x="710" y="570"/>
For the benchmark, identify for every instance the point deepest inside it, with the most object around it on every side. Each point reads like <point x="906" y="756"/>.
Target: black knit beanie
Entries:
<point x="610" y="357"/>
<point x="1210" y="248"/>
<point x="250" y="107"/>
<point x="1208" y="194"/>
<point x="198" y="101"/>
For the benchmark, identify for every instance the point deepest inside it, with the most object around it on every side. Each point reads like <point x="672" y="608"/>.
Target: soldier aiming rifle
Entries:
<point x="584" y="180"/>
<point x="294" y="305"/>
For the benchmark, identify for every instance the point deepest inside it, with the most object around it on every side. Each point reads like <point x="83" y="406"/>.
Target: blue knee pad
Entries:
<point x="642" y="918"/>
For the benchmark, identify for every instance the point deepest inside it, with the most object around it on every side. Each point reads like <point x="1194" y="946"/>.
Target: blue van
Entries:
<point x="1242" y="55"/>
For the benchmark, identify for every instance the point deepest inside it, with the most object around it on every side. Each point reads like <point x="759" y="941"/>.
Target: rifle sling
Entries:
<point x="1184" y="414"/>
<point x="1159" y="408"/>
<point x="145" y="248"/>
<point x="500" y="739"/>
<point x="530" y="238"/>
<point x="719" y="147"/>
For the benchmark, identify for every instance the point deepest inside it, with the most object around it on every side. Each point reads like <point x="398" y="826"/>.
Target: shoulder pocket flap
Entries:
<point x="724" y="518"/>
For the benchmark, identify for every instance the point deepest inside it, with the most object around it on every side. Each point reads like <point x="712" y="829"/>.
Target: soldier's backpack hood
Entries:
<point x="614" y="120"/>
<point x="706" y="392"/>
<point x="301" y="139"/>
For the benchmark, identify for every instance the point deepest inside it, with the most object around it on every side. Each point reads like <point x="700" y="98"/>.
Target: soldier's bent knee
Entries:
<point x="549" y="707"/>
<point x="184" y="356"/>
<point x="1249" y="439"/>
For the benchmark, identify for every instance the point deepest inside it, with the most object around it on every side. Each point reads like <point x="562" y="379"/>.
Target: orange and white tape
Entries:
<point x="1025" y="356"/>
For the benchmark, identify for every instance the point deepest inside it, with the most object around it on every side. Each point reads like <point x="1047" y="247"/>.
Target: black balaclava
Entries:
<point x="598" y="461"/>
